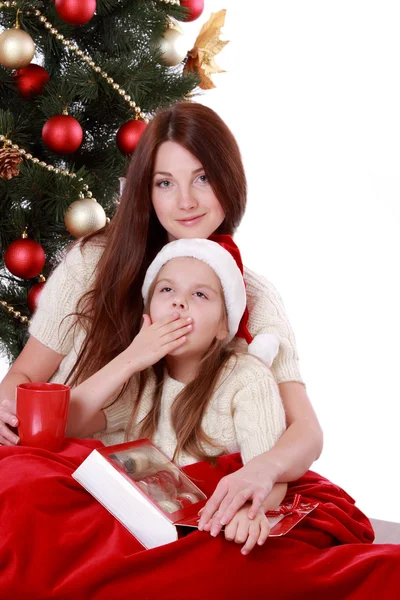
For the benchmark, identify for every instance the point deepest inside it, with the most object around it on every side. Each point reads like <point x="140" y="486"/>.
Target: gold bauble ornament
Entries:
<point x="173" y="45"/>
<point x="16" y="48"/>
<point x="84" y="216"/>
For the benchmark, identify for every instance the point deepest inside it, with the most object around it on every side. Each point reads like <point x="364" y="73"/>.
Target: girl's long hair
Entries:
<point x="111" y="311"/>
<point x="189" y="406"/>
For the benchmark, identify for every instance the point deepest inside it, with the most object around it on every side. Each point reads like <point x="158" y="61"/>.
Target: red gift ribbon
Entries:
<point x="286" y="509"/>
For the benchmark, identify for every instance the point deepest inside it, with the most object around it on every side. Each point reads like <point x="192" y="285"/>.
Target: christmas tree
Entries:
<point x="79" y="80"/>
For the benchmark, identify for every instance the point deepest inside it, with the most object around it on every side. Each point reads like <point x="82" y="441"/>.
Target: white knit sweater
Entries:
<point x="75" y="275"/>
<point x="245" y="413"/>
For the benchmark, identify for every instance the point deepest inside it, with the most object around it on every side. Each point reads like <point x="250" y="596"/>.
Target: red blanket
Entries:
<point x="58" y="542"/>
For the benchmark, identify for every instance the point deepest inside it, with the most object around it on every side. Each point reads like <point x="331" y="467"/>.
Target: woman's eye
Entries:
<point x="166" y="289"/>
<point x="163" y="184"/>
<point x="200" y="295"/>
<point x="203" y="178"/>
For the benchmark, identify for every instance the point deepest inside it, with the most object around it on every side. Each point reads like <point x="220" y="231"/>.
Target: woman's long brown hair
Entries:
<point x="111" y="311"/>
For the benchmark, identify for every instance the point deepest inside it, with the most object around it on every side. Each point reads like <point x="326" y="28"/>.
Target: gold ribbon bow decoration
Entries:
<point x="207" y="45"/>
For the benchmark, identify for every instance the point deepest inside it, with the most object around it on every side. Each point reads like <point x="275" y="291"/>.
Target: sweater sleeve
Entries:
<point x="258" y="414"/>
<point x="118" y="413"/>
<point x="267" y="315"/>
<point x="51" y="323"/>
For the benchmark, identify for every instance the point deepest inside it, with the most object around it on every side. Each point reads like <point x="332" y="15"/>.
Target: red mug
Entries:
<point x="42" y="412"/>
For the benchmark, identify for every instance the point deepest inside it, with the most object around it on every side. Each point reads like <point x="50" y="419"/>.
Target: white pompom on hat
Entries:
<point x="223" y="256"/>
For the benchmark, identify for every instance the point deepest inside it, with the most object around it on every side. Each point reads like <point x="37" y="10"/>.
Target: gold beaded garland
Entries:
<point x="74" y="48"/>
<point x="35" y="160"/>
<point x="10" y="309"/>
<point x="71" y="45"/>
<point x="8" y="4"/>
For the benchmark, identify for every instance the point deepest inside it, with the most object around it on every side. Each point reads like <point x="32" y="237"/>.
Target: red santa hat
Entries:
<point x="222" y="254"/>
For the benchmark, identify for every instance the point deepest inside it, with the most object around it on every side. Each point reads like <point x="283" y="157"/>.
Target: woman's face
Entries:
<point x="191" y="288"/>
<point x="183" y="199"/>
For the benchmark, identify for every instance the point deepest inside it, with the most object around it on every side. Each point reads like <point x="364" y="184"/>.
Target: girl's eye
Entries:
<point x="166" y="289"/>
<point x="200" y="295"/>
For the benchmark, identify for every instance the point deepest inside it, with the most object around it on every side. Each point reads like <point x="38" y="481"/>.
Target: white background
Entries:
<point x="312" y="94"/>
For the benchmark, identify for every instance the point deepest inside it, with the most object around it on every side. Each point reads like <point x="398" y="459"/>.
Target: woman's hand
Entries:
<point x="253" y="482"/>
<point x="249" y="532"/>
<point x="156" y="340"/>
<point x="7" y="417"/>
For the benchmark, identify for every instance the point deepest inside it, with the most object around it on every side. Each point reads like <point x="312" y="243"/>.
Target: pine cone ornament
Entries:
<point x="9" y="161"/>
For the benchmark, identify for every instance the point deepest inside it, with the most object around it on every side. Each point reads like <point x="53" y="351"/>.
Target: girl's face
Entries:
<point x="191" y="288"/>
<point x="183" y="199"/>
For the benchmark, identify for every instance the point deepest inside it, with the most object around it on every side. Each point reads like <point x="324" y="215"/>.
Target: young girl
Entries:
<point x="186" y="180"/>
<point x="200" y="399"/>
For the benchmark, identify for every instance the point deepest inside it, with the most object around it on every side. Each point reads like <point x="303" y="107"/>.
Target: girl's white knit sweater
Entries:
<point x="245" y="413"/>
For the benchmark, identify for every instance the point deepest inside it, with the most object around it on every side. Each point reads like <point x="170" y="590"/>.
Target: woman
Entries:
<point x="186" y="179"/>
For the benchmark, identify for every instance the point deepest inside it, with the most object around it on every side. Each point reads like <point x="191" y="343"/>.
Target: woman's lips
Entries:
<point x="191" y="221"/>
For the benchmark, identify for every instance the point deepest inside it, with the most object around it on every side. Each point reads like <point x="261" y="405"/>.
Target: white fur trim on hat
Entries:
<point x="220" y="260"/>
<point x="265" y="346"/>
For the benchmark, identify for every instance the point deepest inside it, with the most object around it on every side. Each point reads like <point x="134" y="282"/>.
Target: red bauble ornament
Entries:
<point x="31" y="80"/>
<point x="62" y="134"/>
<point x="33" y="296"/>
<point x="24" y="258"/>
<point x="75" y="12"/>
<point x="195" y="7"/>
<point x="129" y="134"/>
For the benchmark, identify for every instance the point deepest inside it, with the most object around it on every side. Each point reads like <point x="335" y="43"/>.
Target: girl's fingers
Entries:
<point x="253" y="536"/>
<point x="175" y="335"/>
<point x="167" y="348"/>
<point x="231" y="530"/>
<point x="243" y="529"/>
<point x="169" y="328"/>
<point x="264" y="533"/>
<point x="166" y="320"/>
